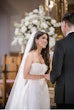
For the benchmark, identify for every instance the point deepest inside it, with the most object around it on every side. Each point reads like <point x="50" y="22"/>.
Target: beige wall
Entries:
<point x="4" y="27"/>
<point x="6" y="34"/>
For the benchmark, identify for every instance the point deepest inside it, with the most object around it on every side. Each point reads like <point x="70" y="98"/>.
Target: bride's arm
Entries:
<point x="27" y="67"/>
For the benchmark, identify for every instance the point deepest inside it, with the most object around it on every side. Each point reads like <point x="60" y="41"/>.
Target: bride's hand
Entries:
<point x="47" y="76"/>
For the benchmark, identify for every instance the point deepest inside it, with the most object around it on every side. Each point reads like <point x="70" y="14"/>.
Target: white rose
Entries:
<point x="57" y="24"/>
<point x="31" y="13"/>
<point x="23" y="29"/>
<point x="35" y="11"/>
<point x="51" y="31"/>
<point x="35" y="22"/>
<point x="27" y="18"/>
<point x="55" y="35"/>
<point x="16" y="31"/>
<point x="28" y="35"/>
<point x="53" y="21"/>
<point x="20" y="40"/>
<point x="33" y="17"/>
<point x="33" y="29"/>
<point x="15" y="41"/>
<point x="43" y="30"/>
<point x="30" y="26"/>
<point x="26" y="23"/>
<point x="43" y="25"/>
<point x="51" y="42"/>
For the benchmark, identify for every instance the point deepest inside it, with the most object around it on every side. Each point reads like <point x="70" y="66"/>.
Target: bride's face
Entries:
<point x="42" y="41"/>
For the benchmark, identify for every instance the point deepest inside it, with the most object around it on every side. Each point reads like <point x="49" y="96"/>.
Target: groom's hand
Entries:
<point x="47" y="76"/>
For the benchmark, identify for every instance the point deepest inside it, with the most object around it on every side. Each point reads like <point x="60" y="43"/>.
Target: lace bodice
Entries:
<point x="38" y="68"/>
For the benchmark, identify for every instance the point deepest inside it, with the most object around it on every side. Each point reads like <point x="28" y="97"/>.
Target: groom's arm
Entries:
<point x="57" y="62"/>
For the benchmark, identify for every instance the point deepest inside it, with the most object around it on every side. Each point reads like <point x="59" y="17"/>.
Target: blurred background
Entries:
<point x="12" y="11"/>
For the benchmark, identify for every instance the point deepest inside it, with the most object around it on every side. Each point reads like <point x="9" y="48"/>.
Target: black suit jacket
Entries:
<point x="63" y="70"/>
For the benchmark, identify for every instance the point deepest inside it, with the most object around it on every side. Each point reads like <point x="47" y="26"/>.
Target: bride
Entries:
<point x="30" y="90"/>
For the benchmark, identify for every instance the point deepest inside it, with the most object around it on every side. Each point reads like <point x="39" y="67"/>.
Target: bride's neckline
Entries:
<point x="38" y="63"/>
<point x="41" y="64"/>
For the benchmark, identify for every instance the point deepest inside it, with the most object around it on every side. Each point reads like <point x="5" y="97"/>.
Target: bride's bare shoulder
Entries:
<point x="29" y="57"/>
<point x="31" y="54"/>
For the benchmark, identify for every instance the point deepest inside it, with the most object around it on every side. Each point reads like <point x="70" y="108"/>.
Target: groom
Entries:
<point x="63" y="65"/>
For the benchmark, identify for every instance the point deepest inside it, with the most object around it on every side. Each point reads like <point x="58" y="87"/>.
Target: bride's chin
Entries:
<point x="44" y="47"/>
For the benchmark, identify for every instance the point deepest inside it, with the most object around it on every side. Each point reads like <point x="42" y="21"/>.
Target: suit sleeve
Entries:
<point x="57" y="62"/>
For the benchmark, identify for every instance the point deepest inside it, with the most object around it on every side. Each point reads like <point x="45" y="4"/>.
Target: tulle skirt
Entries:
<point x="34" y="95"/>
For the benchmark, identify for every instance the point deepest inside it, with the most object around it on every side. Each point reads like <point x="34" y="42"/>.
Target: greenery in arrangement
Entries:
<point x="34" y="21"/>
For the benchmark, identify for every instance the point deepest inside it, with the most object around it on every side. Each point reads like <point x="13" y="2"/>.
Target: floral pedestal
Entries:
<point x="34" y="21"/>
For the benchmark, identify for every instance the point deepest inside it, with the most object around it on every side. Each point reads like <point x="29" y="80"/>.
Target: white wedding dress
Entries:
<point x="35" y="94"/>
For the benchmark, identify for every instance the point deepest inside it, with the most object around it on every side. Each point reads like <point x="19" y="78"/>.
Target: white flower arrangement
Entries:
<point x="34" y="21"/>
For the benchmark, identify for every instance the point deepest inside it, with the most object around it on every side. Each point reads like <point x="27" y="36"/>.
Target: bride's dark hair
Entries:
<point x="45" y="51"/>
